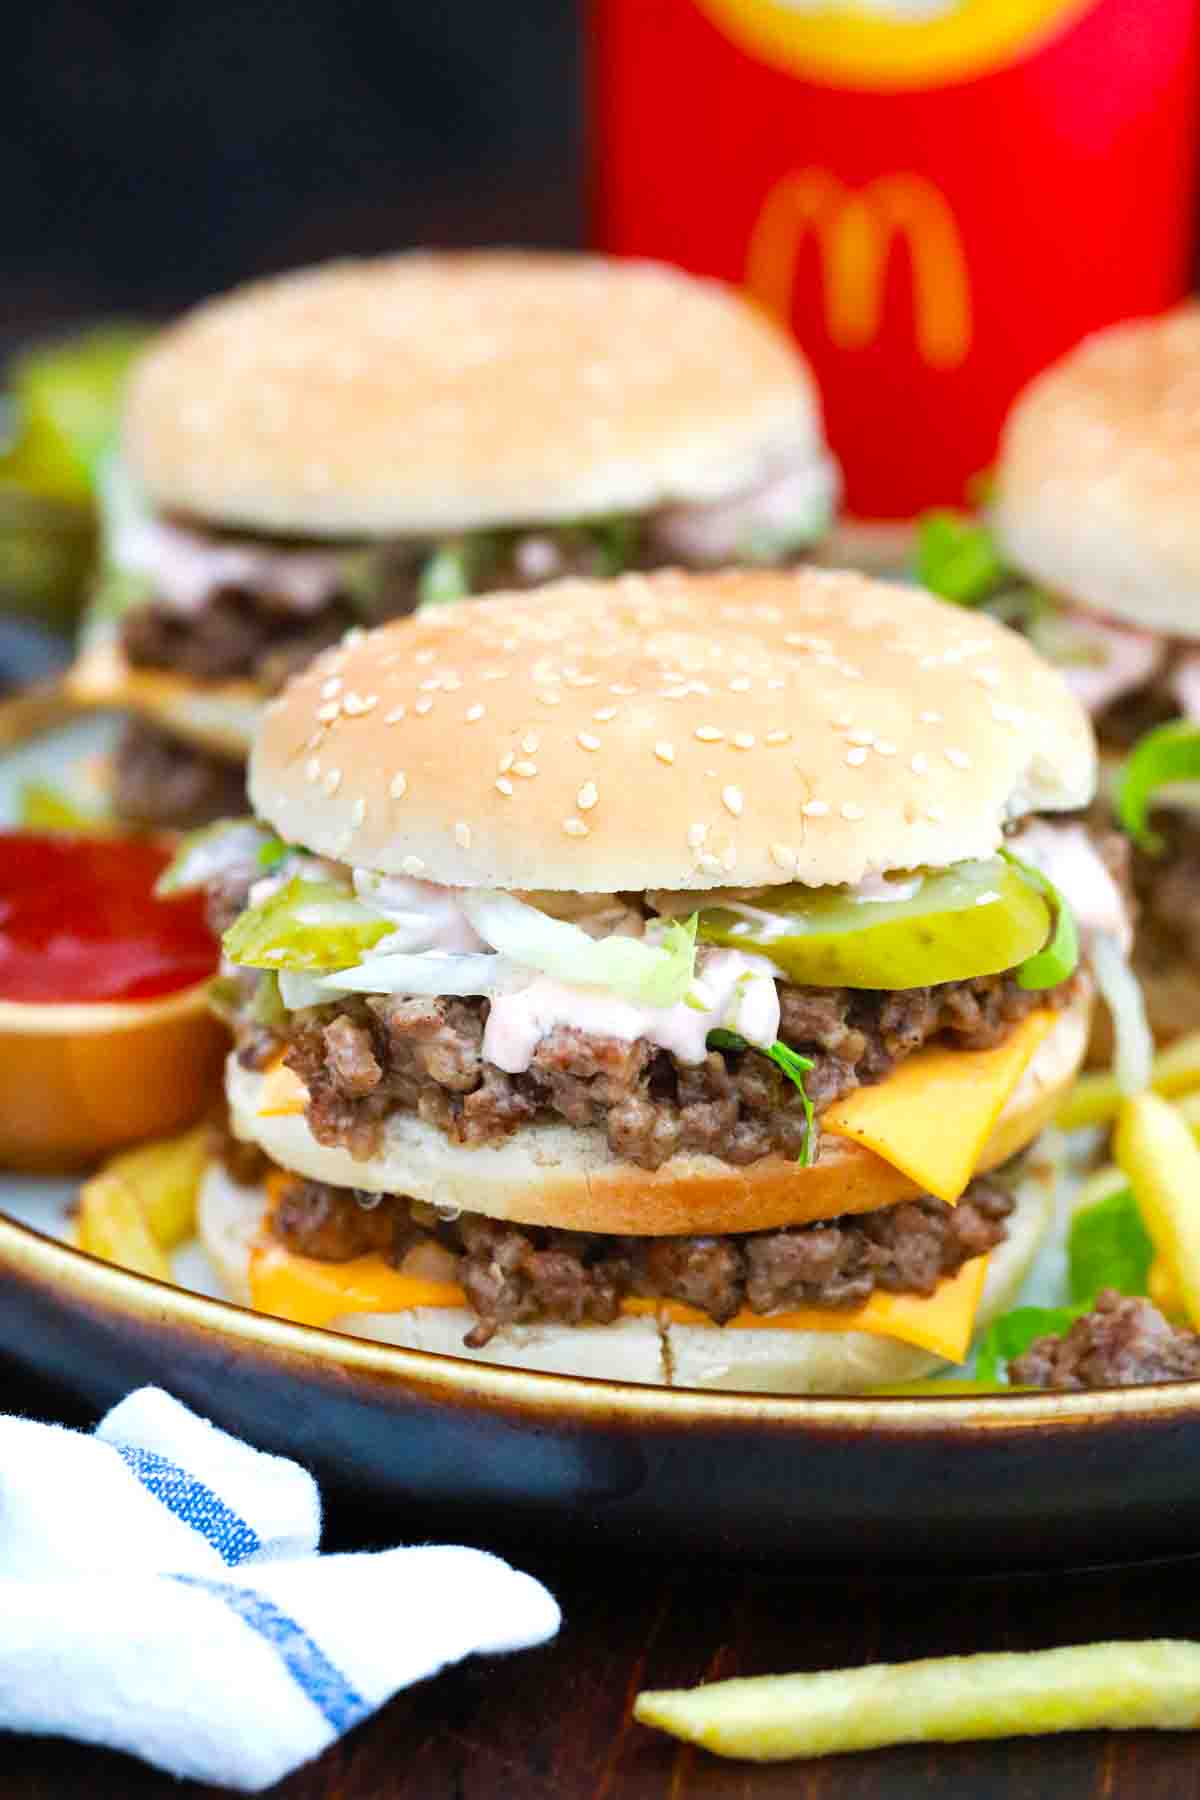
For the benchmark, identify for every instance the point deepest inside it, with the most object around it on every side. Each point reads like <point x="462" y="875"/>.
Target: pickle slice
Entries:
<point x="977" y="918"/>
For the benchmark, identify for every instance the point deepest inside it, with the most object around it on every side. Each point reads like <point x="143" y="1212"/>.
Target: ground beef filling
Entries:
<point x="516" y="1274"/>
<point x="364" y="1059"/>
<point x="1121" y="1342"/>
<point x="1168" y="894"/>
<point x="161" y="781"/>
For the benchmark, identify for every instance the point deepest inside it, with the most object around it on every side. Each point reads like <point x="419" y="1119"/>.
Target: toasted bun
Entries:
<point x="218" y="715"/>
<point x="427" y="393"/>
<point x="772" y="1360"/>
<point x="565" y="1175"/>
<point x="673" y="731"/>
<point x="1098" y="470"/>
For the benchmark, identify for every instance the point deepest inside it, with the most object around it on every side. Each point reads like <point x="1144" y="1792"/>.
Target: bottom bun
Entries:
<point x="222" y="716"/>
<point x="641" y="1349"/>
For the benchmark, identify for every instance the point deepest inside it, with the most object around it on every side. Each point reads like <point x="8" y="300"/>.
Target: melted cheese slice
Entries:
<point x="933" y="1115"/>
<point x="315" y="1293"/>
<point x="282" y="1092"/>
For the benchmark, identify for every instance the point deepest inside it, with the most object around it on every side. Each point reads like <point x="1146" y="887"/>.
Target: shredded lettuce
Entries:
<point x="1167" y="754"/>
<point x="306" y="925"/>
<point x="41" y="807"/>
<point x="1060" y="957"/>
<point x="616" y="539"/>
<point x="794" y="1066"/>
<point x="1010" y="1336"/>
<point x="650" y="974"/>
<point x="204" y="855"/>
<point x="957" y="558"/>
<point x="447" y="575"/>
<point x="423" y="972"/>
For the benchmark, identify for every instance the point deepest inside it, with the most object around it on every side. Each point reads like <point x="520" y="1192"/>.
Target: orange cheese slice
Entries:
<point x="316" y="1293"/>
<point x="282" y="1092"/>
<point x="933" y="1115"/>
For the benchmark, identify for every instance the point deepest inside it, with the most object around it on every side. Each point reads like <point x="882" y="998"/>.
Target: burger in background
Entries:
<point x="341" y="445"/>
<point x="1089" y="543"/>
<point x="685" y="1023"/>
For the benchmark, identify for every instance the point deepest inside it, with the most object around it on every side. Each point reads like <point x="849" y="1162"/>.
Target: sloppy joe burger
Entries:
<point x="340" y="445"/>
<point x="655" y="979"/>
<point x="1091" y="546"/>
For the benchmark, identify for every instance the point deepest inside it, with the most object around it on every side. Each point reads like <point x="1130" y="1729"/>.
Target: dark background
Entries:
<point x="153" y="153"/>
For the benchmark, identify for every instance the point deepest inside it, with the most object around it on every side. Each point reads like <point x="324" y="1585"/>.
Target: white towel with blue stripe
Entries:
<point x="161" y="1593"/>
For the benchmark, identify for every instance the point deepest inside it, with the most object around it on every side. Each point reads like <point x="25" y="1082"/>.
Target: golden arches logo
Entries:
<point x="855" y="229"/>
<point x="892" y="44"/>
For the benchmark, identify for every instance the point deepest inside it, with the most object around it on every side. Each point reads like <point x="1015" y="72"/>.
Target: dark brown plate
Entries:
<point x="986" y="1482"/>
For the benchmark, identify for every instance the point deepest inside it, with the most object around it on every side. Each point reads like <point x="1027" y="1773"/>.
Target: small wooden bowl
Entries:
<point x="77" y="1081"/>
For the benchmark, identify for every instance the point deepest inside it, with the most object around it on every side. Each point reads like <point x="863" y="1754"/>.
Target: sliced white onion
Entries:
<point x="298" y="990"/>
<point x="1134" y="1046"/>
<point x="432" y="973"/>
<point x="650" y="974"/>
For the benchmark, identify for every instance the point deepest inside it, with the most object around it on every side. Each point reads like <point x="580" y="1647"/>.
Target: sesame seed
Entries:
<point x="603" y="714"/>
<point x="958" y="759"/>
<point x="312" y="768"/>
<point x="842" y="719"/>
<point x="709" y="734"/>
<point x="412" y="865"/>
<point x="504" y="785"/>
<point x="665" y="752"/>
<point x="619" y="687"/>
<point x="358" y="811"/>
<point x="696" y="835"/>
<point x="473" y="713"/>
<point x="815" y="809"/>
<point x="587" y="741"/>
<point x="395" y="716"/>
<point x="731" y="799"/>
<point x="860" y="736"/>
<point x="936" y="813"/>
<point x="332" y="781"/>
<point x="398" y="786"/>
<point x="526" y="770"/>
<point x="857" y="757"/>
<point x="729" y="859"/>
<point x="709" y="863"/>
<point x="550" y="698"/>
<point x="930" y="718"/>
<point x="462" y="835"/>
<point x="450" y="683"/>
<point x="777" y="737"/>
<point x="575" y="828"/>
<point x="775" y="682"/>
<point x="920" y="763"/>
<point x="587" y="796"/>
<point x="783" y="856"/>
<point x="330" y="711"/>
<point x="582" y="680"/>
<point x="357" y="704"/>
<point x="740" y="684"/>
<point x="423" y="706"/>
<point x="425" y="656"/>
<point x="507" y="761"/>
<point x="331" y="688"/>
<point x="850" y="811"/>
<point x="530" y="742"/>
<point x="678" y="693"/>
<point x="743" y="740"/>
<point x="493" y="675"/>
<point x="431" y="684"/>
<point x="883" y="747"/>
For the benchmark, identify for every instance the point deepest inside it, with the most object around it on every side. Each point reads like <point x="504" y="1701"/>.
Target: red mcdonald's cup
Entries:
<point x="938" y="197"/>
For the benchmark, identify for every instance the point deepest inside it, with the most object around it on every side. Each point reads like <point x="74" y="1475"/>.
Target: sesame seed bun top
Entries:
<point x="435" y="392"/>
<point x="748" y="727"/>
<point x="1098" y="472"/>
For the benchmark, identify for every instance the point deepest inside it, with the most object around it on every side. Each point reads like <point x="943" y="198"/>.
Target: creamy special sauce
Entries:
<point x="1066" y="854"/>
<point x="732" y="993"/>
<point x="791" y="494"/>
<point x="1125" y="659"/>
<point x="187" y="568"/>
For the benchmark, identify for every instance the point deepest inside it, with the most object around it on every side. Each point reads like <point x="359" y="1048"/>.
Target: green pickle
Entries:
<point x="977" y="918"/>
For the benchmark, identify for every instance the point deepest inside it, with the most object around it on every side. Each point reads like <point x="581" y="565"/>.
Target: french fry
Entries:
<point x="1153" y="1684"/>
<point x="1160" y="1285"/>
<point x="1155" y="1147"/>
<point x="165" y="1178"/>
<point x="113" y="1226"/>
<point x="1095" y="1099"/>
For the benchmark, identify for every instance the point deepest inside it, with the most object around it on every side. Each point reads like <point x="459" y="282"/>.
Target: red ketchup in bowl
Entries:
<point x="79" y="922"/>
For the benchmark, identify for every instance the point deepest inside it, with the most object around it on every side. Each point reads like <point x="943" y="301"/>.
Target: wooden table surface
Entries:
<point x="554" y="1723"/>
